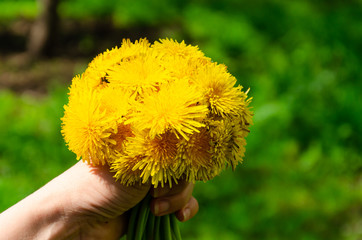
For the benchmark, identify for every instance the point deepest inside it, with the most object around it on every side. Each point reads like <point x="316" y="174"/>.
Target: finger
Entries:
<point x="166" y="190"/>
<point x="170" y="204"/>
<point x="105" y="196"/>
<point x="189" y="211"/>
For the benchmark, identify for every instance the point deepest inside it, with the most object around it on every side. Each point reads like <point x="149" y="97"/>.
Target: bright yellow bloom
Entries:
<point x="116" y="101"/>
<point x="196" y="154"/>
<point x="100" y="64"/>
<point x="105" y="61"/>
<point x="119" y="140"/>
<point x="86" y="128"/>
<point x="124" y="169"/>
<point x="153" y="158"/>
<point x="171" y="48"/>
<point x="132" y="50"/>
<point x="218" y="88"/>
<point x="81" y="84"/>
<point x="180" y="60"/>
<point x="177" y="107"/>
<point x="139" y="75"/>
<point x="220" y="132"/>
<point x="237" y="143"/>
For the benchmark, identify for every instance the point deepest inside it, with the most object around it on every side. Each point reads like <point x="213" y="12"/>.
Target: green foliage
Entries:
<point x="301" y="178"/>
<point x="11" y="9"/>
<point x="31" y="147"/>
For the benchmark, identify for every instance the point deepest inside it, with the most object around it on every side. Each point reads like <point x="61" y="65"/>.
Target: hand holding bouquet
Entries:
<point x="157" y="113"/>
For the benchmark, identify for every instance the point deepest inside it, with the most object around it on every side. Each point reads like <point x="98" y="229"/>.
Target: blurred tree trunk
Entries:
<point x="44" y="30"/>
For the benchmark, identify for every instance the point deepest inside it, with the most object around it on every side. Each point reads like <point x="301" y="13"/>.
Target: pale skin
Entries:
<point x="86" y="202"/>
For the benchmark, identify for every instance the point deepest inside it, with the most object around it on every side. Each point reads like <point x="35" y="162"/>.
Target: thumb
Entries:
<point x="120" y="198"/>
<point x="130" y="196"/>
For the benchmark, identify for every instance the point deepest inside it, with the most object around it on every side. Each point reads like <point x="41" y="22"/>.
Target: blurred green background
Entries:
<point x="302" y="174"/>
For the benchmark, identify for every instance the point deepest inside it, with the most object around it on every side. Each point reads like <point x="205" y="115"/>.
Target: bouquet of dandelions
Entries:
<point x="158" y="113"/>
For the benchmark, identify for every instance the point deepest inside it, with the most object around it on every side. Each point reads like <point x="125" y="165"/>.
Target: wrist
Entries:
<point x="50" y="216"/>
<point x="59" y="211"/>
<point x="62" y="208"/>
<point x="42" y="215"/>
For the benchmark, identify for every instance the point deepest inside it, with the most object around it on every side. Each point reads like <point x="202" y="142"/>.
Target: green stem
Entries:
<point x="144" y="225"/>
<point x="150" y="226"/>
<point x="132" y="222"/>
<point x="174" y="227"/>
<point x="157" y="228"/>
<point x="143" y="213"/>
<point x="146" y="235"/>
<point x="167" y="235"/>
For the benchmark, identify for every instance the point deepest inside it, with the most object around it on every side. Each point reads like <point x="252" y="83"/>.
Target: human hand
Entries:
<point x="178" y="200"/>
<point x="86" y="202"/>
<point x="101" y="204"/>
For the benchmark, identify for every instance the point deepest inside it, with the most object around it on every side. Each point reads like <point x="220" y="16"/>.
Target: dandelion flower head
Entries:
<point x="157" y="113"/>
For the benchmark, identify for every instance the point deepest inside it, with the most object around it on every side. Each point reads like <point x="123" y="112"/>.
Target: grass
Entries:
<point x="31" y="147"/>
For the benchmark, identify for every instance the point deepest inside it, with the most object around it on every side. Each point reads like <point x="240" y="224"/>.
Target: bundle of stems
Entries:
<point x="144" y="225"/>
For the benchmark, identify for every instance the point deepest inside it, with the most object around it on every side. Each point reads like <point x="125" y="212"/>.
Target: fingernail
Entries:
<point x="186" y="214"/>
<point x="161" y="206"/>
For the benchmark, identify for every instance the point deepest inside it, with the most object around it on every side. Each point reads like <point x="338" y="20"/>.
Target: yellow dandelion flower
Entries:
<point x="101" y="63"/>
<point x="99" y="67"/>
<point x="179" y="59"/>
<point x="155" y="157"/>
<point x="124" y="169"/>
<point x="78" y="83"/>
<point x="170" y="48"/>
<point x="219" y="145"/>
<point x="81" y="83"/>
<point x="116" y="101"/>
<point x="117" y="104"/>
<point x="86" y="128"/>
<point x="228" y="141"/>
<point x="119" y="140"/>
<point x="218" y="87"/>
<point x="177" y="107"/>
<point x="95" y="79"/>
<point x="179" y="68"/>
<point x="196" y="154"/>
<point x="127" y="51"/>
<point x="132" y="50"/>
<point x="139" y="75"/>
<point x="237" y="142"/>
<point x="220" y="132"/>
<point x="206" y="173"/>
